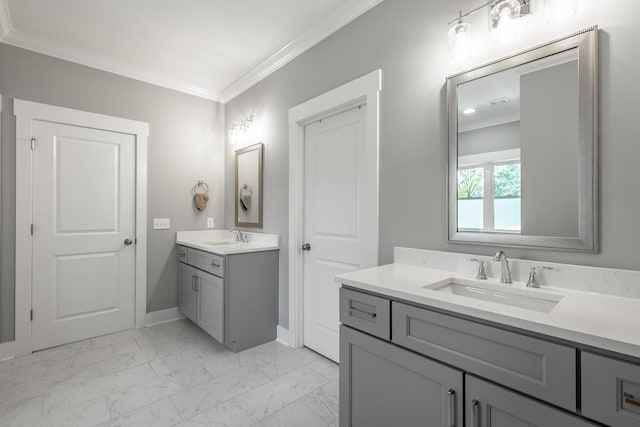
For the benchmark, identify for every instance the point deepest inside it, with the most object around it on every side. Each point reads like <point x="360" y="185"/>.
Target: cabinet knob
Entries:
<point x="306" y="247"/>
<point x="128" y="242"/>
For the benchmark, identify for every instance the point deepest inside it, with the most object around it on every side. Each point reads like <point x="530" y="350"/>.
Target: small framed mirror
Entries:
<point x="249" y="186"/>
<point x="523" y="154"/>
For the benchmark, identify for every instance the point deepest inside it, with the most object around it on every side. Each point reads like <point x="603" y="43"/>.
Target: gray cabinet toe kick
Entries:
<point x="406" y="365"/>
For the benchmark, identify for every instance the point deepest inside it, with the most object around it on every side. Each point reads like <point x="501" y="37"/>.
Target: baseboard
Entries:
<point x="163" y="316"/>
<point x="282" y="335"/>
<point x="7" y="350"/>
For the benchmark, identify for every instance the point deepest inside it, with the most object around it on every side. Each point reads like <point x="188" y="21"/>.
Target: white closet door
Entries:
<point x="84" y="232"/>
<point x="340" y="195"/>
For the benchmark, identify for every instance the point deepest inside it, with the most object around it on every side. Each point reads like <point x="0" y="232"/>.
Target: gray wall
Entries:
<point x="549" y="105"/>
<point x="486" y="140"/>
<point x="407" y="40"/>
<point x="186" y="143"/>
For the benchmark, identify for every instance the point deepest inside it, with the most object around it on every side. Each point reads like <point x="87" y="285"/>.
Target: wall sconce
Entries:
<point x="503" y="22"/>
<point x="239" y="129"/>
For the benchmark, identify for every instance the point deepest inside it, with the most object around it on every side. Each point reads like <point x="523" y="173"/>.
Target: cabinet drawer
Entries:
<point x="610" y="390"/>
<point x="182" y="254"/>
<point x="536" y="367"/>
<point x="365" y="312"/>
<point x="211" y="263"/>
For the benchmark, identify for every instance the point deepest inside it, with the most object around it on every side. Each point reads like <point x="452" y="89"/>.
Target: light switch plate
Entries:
<point x="161" y="223"/>
<point x="209" y="222"/>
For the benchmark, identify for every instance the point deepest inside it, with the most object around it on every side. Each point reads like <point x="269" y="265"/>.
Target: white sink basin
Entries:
<point x="529" y="299"/>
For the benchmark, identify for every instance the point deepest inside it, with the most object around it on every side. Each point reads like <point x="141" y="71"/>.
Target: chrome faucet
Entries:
<point x="505" y="277"/>
<point x="238" y="234"/>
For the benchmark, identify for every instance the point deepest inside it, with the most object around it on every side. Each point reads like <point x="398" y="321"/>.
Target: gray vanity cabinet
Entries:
<point x="234" y="298"/>
<point x="489" y="405"/>
<point x="382" y="385"/>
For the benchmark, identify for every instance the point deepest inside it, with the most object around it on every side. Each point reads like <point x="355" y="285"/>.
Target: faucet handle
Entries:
<point x="533" y="275"/>
<point x="482" y="272"/>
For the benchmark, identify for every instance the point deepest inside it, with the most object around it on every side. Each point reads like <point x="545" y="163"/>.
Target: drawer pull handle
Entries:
<point x="628" y="398"/>
<point x="452" y="407"/>
<point x="354" y="312"/>
<point x="215" y="264"/>
<point x="181" y="253"/>
<point x="474" y="408"/>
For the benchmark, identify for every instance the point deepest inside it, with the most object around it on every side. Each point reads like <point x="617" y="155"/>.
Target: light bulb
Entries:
<point x="503" y="18"/>
<point x="459" y="38"/>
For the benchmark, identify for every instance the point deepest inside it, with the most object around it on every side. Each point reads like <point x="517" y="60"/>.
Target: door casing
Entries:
<point x="26" y="112"/>
<point x="363" y="90"/>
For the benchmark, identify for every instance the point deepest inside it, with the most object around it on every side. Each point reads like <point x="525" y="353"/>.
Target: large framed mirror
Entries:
<point x="523" y="148"/>
<point x="249" y="186"/>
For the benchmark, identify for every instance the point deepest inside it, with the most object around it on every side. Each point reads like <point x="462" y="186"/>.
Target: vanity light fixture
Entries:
<point x="240" y="128"/>
<point x="503" y="22"/>
<point x="503" y="15"/>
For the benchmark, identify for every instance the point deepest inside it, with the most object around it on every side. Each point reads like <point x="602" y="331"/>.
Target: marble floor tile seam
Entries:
<point x="293" y="403"/>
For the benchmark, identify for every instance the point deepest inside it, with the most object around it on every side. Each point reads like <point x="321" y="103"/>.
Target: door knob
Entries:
<point x="128" y="242"/>
<point x="306" y="247"/>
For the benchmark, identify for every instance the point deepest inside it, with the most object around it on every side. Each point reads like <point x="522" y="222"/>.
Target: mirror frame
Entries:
<point x="586" y="41"/>
<point x="259" y="147"/>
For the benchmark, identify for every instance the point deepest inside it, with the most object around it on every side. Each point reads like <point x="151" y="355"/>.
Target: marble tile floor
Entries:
<point x="172" y="374"/>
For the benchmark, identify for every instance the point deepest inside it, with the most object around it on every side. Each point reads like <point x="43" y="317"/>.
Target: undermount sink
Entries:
<point x="529" y="299"/>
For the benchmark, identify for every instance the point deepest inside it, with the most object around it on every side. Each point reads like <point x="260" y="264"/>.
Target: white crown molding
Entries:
<point x="68" y="53"/>
<point x="5" y="19"/>
<point x="337" y="19"/>
<point x="327" y="26"/>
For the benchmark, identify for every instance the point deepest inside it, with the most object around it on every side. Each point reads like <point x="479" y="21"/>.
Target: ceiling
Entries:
<point x="214" y="49"/>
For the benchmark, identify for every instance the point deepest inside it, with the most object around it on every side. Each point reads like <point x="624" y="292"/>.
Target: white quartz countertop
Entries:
<point x="596" y="320"/>
<point x="222" y="242"/>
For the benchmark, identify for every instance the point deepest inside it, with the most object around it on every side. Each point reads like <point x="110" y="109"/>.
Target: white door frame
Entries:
<point x="363" y="90"/>
<point x="26" y="112"/>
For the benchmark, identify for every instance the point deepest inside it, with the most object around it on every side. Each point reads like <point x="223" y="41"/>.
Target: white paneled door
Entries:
<point x="340" y="219"/>
<point x="83" y="233"/>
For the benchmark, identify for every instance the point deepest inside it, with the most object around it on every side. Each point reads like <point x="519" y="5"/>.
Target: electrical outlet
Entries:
<point x="209" y="222"/>
<point x="161" y="223"/>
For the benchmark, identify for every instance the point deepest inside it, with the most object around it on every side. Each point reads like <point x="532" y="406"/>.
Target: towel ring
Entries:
<point x="246" y="187"/>
<point x="200" y="187"/>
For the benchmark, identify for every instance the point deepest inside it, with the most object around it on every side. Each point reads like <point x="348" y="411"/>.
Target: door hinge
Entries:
<point x="32" y="229"/>
<point x="31" y="314"/>
<point x="33" y="143"/>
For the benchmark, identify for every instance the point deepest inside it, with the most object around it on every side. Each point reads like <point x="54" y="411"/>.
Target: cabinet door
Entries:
<point x="186" y="290"/>
<point x="489" y="405"/>
<point x="384" y="385"/>
<point x="211" y="305"/>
